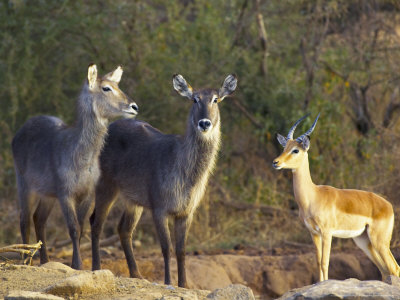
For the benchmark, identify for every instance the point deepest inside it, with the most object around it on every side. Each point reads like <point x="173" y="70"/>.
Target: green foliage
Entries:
<point x="322" y="50"/>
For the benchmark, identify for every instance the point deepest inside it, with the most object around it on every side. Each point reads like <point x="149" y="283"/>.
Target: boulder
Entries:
<point x="350" y="289"/>
<point x="85" y="283"/>
<point x="58" y="267"/>
<point x="232" y="292"/>
<point x="26" y="295"/>
<point x="206" y="274"/>
<point x="393" y="280"/>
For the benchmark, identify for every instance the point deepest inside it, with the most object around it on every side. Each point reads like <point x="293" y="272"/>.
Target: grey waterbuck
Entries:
<point x="53" y="160"/>
<point x="165" y="173"/>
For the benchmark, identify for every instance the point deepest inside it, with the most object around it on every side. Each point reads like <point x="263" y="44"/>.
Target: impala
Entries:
<point x="330" y="212"/>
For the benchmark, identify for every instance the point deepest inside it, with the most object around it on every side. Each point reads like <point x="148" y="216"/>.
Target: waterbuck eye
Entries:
<point x="196" y="99"/>
<point x="295" y="151"/>
<point x="106" y="89"/>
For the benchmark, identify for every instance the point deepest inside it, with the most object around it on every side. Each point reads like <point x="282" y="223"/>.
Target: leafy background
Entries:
<point x="340" y="58"/>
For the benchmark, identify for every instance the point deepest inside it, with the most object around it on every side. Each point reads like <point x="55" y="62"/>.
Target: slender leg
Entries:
<point x="161" y="222"/>
<point x="396" y="271"/>
<point x="318" y="246"/>
<point x="82" y="210"/>
<point x="326" y="252"/>
<point x="378" y="258"/>
<point x="380" y="239"/>
<point x="105" y="198"/>
<point x="25" y="203"/>
<point x="40" y="217"/>
<point x="182" y="225"/>
<point x="126" y="226"/>
<point x="363" y="242"/>
<point x="68" y="209"/>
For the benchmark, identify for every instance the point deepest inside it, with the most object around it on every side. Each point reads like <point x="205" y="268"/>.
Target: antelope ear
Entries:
<point x="281" y="139"/>
<point x="181" y="86"/>
<point x="92" y="75"/>
<point x="228" y="87"/>
<point x="305" y="143"/>
<point x="115" y="75"/>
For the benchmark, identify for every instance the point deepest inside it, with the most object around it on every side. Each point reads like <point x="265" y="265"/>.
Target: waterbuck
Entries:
<point x="166" y="173"/>
<point x="53" y="160"/>
<point x="329" y="212"/>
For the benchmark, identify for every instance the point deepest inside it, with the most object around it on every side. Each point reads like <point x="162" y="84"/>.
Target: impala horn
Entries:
<point x="291" y="131"/>
<point x="309" y="131"/>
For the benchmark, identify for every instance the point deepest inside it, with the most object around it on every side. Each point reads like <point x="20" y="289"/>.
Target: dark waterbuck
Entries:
<point x="53" y="160"/>
<point x="166" y="173"/>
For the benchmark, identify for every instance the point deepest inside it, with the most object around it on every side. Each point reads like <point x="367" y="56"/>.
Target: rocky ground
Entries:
<point x="269" y="274"/>
<point x="55" y="281"/>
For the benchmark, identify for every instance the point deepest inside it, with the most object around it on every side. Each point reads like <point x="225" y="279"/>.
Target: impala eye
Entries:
<point x="215" y="100"/>
<point x="106" y="89"/>
<point x="295" y="151"/>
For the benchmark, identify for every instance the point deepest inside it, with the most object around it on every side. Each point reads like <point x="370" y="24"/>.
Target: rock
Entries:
<point x="137" y="244"/>
<point x="393" y="280"/>
<point x="204" y="274"/>
<point x="139" y="289"/>
<point x="57" y="266"/>
<point x="175" y="298"/>
<point x="350" y="289"/>
<point x="85" y="283"/>
<point x="232" y="292"/>
<point x="26" y="295"/>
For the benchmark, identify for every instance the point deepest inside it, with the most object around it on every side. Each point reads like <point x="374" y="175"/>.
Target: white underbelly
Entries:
<point x="345" y="234"/>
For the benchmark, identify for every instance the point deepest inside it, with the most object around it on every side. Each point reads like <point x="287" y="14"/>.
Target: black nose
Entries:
<point x="135" y="107"/>
<point x="275" y="163"/>
<point x="204" y="124"/>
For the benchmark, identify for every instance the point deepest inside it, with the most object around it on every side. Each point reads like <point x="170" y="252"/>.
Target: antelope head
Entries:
<point x="108" y="100"/>
<point x="205" y="114"/>
<point x="295" y="150"/>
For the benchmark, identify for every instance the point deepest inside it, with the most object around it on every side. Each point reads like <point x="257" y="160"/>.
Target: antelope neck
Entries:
<point x="303" y="185"/>
<point x="91" y="133"/>
<point x="198" y="153"/>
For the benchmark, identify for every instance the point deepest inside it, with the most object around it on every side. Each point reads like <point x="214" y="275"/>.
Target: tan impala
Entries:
<point x="330" y="212"/>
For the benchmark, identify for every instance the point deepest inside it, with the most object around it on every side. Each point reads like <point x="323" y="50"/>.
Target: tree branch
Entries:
<point x="29" y="250"/>
<point x="391" y="108"/>
<point x="262" y="34"/>
<point x="239" y="26"/>
<point x="249" y="116"/>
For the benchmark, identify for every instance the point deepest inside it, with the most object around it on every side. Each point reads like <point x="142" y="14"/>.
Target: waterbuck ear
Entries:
<point x="115" y="75"/>
<point x="92" y="75"/>
<point x="181" y="86"/>
<point x="281" y="139"/>
<point x="228" y="87"/>
<point x="305" y="143"/>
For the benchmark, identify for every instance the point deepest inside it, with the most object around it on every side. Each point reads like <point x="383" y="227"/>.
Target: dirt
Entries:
<point x="269" y="273"/>
<point x="38" y="279"/>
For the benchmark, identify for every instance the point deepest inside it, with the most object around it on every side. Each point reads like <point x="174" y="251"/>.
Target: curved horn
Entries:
<point x="309" y="131"/>
<point x="291" y="131"/>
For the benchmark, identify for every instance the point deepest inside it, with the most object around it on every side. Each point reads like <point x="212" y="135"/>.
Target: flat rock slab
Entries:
<point x="57" y="266"/>
<point x="350" y="289"/>
<point x="232" y="292"/>
<point x="86" y="283"/>
<point x="26" y="295"/>
<point x="139" y="289"/>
